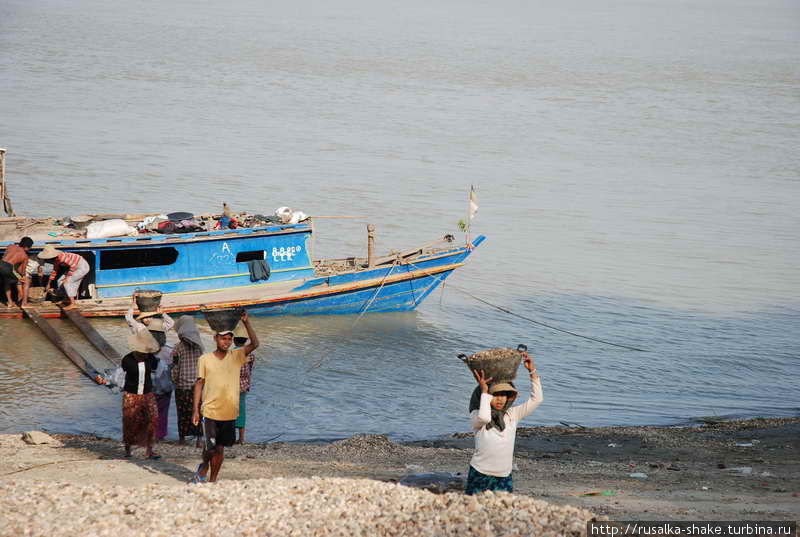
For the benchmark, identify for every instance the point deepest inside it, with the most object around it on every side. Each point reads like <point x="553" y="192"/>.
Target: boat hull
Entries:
<point x="401" y="286"/>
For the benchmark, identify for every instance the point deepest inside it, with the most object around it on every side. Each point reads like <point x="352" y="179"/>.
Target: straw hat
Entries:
<point x="142" y="341"/>
<point x="502" y="387"/>
<point x="49" y="253"/>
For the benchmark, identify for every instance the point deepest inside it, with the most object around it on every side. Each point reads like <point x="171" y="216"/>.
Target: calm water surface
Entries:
<point x="636" y="163"/>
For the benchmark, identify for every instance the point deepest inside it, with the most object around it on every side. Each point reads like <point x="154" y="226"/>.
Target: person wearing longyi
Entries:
<point x="158" y="328"/>
<point x="217" y="386"/>
<point x="184" y="374"/>
<point x="139" y="407"/>
<point x="77" y="267"/>
<point x="494" y="422"/>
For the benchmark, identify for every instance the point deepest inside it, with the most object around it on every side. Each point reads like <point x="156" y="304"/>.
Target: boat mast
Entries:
<point x="3" y="192"/>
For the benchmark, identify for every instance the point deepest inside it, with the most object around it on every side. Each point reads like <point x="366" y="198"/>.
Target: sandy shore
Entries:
<point x="727" y="471"/>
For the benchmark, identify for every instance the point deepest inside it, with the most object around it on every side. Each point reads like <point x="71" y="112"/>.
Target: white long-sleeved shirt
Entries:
<point x="136" y="326"/>
<point x="494" y="449"/>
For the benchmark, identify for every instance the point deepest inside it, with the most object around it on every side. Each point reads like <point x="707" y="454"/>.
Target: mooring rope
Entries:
<point x="533" y="321"/>
<point x="374" y="296"/>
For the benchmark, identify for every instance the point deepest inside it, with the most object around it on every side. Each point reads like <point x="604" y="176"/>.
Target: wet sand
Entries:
<point x="744" y="470"/>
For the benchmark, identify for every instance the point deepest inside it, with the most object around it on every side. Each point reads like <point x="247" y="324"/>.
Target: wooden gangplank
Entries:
<point x="47" y="329"/>
<point x="93" y="335"/>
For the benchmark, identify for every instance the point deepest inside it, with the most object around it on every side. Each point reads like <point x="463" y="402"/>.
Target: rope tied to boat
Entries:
<point x="523" y="317"/>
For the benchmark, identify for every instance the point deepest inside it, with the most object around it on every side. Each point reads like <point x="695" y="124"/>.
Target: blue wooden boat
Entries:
<point x="210" y="270"/>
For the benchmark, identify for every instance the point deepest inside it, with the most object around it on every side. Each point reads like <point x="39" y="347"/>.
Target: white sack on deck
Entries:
<point x="109" y="228"/>
<point x="287" y="216"/>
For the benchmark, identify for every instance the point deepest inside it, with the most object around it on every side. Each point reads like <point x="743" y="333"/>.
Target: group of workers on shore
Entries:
<point x="210" y="388"/>
<point x="19" y="272"/>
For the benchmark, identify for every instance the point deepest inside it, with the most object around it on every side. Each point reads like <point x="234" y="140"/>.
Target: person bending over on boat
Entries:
<point x="77" y="267"/>
<point x="217" y="386"/>
<point x="494" y="422"/>
<point x="13" y="269"/>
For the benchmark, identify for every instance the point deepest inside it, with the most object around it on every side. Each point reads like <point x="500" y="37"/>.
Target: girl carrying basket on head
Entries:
<point x="494" y="422"/>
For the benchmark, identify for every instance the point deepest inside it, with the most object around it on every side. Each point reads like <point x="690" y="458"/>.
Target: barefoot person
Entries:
<point x="217" y="386"/>
<point x="162" y="380"/>
<point x="13" y="270"/>
<point x="139" y="409"/>
<point x="184" y="374"/>
<point x="77" y="267"/>
<point x="494" y="422"/>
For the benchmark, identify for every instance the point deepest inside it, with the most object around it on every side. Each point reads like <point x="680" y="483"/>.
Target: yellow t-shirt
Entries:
<point x="221" y="387"/>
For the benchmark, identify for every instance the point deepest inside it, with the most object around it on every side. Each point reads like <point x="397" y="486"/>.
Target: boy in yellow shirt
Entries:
<point x="217" y="387"/>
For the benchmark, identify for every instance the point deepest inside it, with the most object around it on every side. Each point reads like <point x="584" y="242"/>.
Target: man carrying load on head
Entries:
<point x="77" y="267"/>
<point x="218" y="387"/>
<point x="13" y="268"/>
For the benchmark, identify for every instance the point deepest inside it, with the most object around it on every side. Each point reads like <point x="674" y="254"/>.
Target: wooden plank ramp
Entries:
<point x="47" y="329"/>
<point x="100" y="343"/>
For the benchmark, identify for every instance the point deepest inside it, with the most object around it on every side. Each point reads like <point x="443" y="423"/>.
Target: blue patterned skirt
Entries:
<point x="478" y="482"/>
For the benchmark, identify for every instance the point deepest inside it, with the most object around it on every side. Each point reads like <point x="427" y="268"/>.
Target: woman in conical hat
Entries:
<point x="494" y="422"/>
<point x="139" y="410"/>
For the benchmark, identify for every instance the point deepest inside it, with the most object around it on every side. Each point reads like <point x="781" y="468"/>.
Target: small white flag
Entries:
<point x="473" y="203"/>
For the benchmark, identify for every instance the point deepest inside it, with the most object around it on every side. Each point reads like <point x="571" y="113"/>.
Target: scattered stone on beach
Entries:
<point x="287" y="507"/>
<point x="38" y="437"/>
<point x="365" y="444"/>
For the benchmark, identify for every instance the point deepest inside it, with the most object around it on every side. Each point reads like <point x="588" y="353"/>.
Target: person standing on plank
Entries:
<point x="217" y="386"/>
<point x="77" y="267"/>
<point x="13" y="269"/>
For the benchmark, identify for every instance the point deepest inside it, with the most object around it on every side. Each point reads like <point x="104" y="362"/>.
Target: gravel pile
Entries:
<point x="364" y="444"/>
<point x="286" y="507"/>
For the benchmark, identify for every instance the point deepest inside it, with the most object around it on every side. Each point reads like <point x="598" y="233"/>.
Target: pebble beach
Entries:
<point x="564" y="477"/>
<point x="290" y="507"/>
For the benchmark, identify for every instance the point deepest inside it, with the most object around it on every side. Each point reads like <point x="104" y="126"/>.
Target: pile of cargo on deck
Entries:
<point x="98" y="226"/>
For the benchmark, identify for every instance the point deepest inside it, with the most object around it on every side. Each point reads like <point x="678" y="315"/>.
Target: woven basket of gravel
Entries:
<point x="224" y="319"/>
<point x="499" y="364"/>
<point x="148" y="300"/>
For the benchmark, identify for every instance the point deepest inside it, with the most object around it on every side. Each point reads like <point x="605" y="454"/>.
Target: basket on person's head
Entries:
<point x="148" y="300"/>
<point x="223" y="320"/>
<point x="499" y="364"/>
